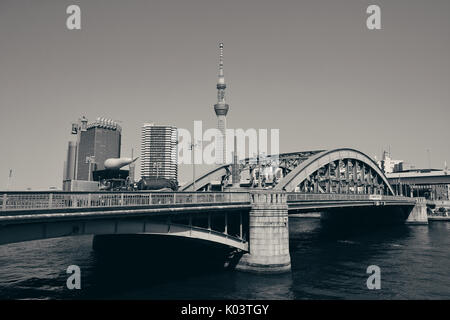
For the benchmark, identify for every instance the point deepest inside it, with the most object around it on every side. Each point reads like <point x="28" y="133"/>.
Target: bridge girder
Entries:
<point x="313" y="171"/>
<point x="166" y="225"/>
<point x="340" y="169"/>
<point x="286" y="161"/>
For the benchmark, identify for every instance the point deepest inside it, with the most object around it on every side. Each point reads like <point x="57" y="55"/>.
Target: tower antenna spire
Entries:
<point x="221" y="86"/>
<point x="221" y="60"/>
<point x="221" y="110"/>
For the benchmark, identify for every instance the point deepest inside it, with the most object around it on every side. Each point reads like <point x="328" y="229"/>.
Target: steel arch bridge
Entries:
<point x="342" y="171"/>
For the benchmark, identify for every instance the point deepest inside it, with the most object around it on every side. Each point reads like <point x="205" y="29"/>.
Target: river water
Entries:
<point x="326" y="264"/>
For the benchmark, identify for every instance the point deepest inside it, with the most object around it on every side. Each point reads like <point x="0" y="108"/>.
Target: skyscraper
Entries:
<point x="221" y="110"/>
<point x="159" y="152"/>
<point x="101" y="140"/>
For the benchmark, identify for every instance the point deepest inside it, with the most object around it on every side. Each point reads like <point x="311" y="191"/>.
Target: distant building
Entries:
<point x="69" y="165"/>
<point x="159" y="152"/>
<point x="433" y="184"/>
<point x="389" y="165"/>
<point x="100" y="141"/>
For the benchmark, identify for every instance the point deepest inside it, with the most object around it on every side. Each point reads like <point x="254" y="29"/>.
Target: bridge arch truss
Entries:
<point x="342" y="171"/>
<point x="337" y="171"/>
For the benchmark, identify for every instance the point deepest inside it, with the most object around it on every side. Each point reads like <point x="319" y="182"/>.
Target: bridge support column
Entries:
<point x="268" y="235"/>
<point x="418" y="214"/>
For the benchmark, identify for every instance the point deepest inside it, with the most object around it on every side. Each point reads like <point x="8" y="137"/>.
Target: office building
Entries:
<point x="389" y="165"/>
<point x="100" y="140"/>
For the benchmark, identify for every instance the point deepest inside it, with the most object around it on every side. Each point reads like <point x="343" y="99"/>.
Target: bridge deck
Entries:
<point x="305" y="201"/>
<point x="39" y="215"/>
<point x="32" y="205"/>
<point x="94" y="201"/>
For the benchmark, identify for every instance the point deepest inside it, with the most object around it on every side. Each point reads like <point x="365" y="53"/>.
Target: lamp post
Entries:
<point x="131" y="167"/>
<point x="9" y="179"/>
<point x="157" y="166"/>
<point x="90" y="160"/>
<point x="192" y="146"/>
<point x="77" y="128"/>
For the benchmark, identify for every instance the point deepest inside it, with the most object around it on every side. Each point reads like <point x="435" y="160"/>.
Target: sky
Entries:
<point x="309" y="68"/>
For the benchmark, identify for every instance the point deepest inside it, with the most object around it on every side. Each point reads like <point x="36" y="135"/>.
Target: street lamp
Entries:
<point x="192" y="146"/>
<point x="9" y="179"/>
<point x="90" y="160"/>
<point x="77" y="128"/>
<point x="157" y="165"/>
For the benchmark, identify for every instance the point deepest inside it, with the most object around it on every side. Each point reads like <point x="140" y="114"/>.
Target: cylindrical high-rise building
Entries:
<point x="70" y="162"/>
<point x="221" y="110"/>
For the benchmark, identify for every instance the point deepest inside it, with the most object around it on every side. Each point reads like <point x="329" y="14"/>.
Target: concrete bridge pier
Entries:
<point x="268" y="235"/>
<point x="418" y="214"/>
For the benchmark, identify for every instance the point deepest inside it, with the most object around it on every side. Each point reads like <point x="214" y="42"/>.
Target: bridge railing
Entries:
<point x="19" y="201"/>
<point x="16" y="201"/>
<point x="292" y="197"/>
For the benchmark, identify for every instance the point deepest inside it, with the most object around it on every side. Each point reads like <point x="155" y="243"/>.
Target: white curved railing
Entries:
<point x="16" y="201"/>
<point x="293" y="197"/>
<point x="20" y="201"/>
